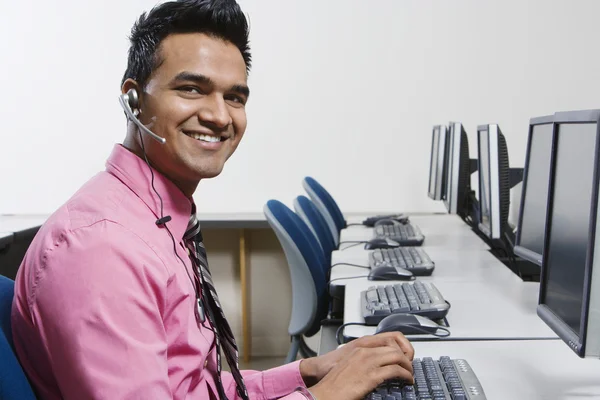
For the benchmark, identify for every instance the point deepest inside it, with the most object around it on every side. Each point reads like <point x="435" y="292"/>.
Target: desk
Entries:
<point x="439" y="230"/>
<point x="21" y="224"/>
<point x="485" y="310"/>
<point x="513" y="369"/>
<point x="450" y="265"/>
<point x="531" y="370"/>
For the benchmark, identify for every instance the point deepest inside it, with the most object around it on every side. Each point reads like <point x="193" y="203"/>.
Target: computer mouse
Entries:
<point x="408" y="324"/>
<point x="387" y="221"/>
<point x="389" y="273"/>
<point x="381" y="243"/>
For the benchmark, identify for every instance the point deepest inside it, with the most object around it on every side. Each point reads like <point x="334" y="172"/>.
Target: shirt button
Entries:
<point x="205" y="363"/>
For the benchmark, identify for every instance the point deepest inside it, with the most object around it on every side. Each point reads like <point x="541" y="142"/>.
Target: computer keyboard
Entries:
<point x="405" y="234"/>
<point x="414" y="259"/>
<point x="421" y="298"/>
<point x="442" y="379"/>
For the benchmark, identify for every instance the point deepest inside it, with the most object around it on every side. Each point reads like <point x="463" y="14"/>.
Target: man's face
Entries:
<point x="195" y="100"/>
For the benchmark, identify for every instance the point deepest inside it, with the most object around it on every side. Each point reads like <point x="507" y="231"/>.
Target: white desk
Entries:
<point x="484" y="310"/>
<point x="20" y="223"/>
<point x="439" y="230"/>
<point x="523" y="370"/>
<point x="450" y="265"/>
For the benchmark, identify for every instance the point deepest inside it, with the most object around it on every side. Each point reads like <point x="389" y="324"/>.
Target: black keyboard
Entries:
<point x="405" y="234"/>
<point x="370" y="222"/>
<point x="443" y="379"/>
<point x="414" y="259"/>
<point x="421" y="298"/>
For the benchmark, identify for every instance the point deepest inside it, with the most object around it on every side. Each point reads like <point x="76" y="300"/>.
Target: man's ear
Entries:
<point x="130" y="89"/>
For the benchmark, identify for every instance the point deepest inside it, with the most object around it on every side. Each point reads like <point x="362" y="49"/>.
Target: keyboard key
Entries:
<point x="372" y="296"/>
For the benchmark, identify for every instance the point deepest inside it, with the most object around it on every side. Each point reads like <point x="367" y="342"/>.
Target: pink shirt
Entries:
<point x="103" y="308"/>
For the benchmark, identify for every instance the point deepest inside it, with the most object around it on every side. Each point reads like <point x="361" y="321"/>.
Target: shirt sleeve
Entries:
<point x="274" y="383"/>
<point x="97" y="305"/>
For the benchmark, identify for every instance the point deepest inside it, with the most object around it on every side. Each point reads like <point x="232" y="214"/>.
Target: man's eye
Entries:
<point x="190" y="89"/>
<point x="235" y="99"/>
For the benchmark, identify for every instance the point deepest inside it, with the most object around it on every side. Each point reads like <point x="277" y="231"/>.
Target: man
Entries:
<point x="114" y="299"/>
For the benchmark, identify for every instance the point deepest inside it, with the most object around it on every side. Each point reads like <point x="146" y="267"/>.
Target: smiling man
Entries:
<point x="114" y="299"/>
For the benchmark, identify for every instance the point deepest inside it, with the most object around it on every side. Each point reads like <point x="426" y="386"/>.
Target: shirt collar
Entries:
<point x="135" y="174"/>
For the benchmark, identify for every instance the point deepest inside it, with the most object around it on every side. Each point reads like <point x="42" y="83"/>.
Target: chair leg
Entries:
<point x="305" y="350"/>
<point x="294" y="347"/>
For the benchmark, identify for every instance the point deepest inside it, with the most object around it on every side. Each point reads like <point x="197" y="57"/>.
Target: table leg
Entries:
<point x="245" y="283"/>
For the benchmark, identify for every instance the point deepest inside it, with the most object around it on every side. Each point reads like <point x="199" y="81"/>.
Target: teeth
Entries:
<point x="205" y="138"/>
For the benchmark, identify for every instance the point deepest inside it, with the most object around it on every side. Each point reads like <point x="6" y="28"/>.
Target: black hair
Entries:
<point x="222" y="19"/>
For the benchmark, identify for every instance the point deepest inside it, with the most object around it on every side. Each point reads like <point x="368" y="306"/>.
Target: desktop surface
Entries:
<point x="458" y="265"/>
<point x="485" y="310"/>
<point x="20" y="223"/>
<point x="523" y="370"/>
<point x="439" y="230"/>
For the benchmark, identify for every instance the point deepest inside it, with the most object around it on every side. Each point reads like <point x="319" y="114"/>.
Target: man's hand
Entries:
<point x="355" y="369"/>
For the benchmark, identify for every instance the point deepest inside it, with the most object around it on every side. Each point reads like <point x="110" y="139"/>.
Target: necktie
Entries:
<point x="223" y="336"/>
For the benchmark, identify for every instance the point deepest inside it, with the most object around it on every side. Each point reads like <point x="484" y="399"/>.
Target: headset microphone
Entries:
<point x="163" y="220"/>
<point x="130" y="102"/>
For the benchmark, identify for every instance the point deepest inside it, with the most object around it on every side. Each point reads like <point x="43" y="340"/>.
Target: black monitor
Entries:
<point x="437" y="162"/>
<point x="458" y="171"/>
<point x="569" y="300"/>
<point x="494" y="181"/>
<point x="531" y="227"/>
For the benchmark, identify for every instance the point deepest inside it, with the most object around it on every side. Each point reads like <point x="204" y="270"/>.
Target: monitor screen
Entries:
<point x="535" y="193"/>
<point x="484" y="179"/>
<point x="435" y="146"/>
<point x="449" y="165"/>
<point x="437" y="165"/>
<point x="569" y="220"/>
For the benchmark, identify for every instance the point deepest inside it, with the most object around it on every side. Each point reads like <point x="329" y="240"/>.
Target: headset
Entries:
<point x="130" y="103"/>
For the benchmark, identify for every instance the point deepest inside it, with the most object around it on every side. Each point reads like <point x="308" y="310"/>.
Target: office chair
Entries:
<point x="307" y="210"/>
<point x="13" y="382"/>
<point x="309" y="283"/>
<point x="326" y="205"/>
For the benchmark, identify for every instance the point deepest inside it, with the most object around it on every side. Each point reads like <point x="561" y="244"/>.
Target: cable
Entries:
<point x="355" y="224"/>
<point x="340" y="330"/>
<point x="352" y="245"/>
<point x="351" y="265"/>
<point x="349" y="277"/>
<point x="162" y="217"/>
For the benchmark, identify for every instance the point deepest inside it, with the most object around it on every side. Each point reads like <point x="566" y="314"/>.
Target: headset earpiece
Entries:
<point x="130" y="103"/>
<point x="131" y="99"/>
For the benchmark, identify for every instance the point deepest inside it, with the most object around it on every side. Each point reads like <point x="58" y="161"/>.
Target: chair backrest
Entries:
<point x="13" y="382"/>
<point x="307" y="210"/>
<point x="305" y="261"/>
<point x="326" y="205"/>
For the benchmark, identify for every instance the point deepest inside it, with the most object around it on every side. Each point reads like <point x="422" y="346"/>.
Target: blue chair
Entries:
<point x="309" y="283"/>
<point x="13" y="382"/>
<point x="307" y="210"/>
<point x="326" y="205"/>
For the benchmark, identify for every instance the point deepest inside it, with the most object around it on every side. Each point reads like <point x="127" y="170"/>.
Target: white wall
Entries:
<point x="344" y="90"/>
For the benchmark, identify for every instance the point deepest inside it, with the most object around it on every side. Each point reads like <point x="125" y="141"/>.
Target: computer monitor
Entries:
<point x="458" y="171"/>
<point x="494" y="181"/>
<point x="569" y="301"/>
<point x="531" y="227"/>
<point x="437" y="162"/>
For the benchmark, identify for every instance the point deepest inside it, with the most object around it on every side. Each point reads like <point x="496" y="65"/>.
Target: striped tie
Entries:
<point x="223" y="335"/>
